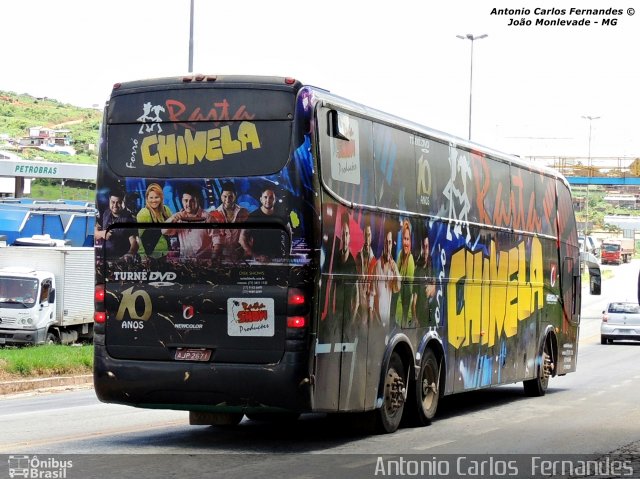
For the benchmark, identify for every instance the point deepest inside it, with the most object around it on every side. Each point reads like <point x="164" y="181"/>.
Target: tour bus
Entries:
<point x="267" y="248"/>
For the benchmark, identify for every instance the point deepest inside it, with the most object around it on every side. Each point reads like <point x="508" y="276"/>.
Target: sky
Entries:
<point x="532" y="84"/>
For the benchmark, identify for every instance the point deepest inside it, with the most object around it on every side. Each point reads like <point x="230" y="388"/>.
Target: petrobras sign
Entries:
<point x="42" y="169"/>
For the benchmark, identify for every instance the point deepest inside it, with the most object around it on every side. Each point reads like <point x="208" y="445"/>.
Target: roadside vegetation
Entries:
<point x="45" y="361"/>
<point x="49" y="189"/>
<point x="19" y="112"/>
<point x="599" y="208"/>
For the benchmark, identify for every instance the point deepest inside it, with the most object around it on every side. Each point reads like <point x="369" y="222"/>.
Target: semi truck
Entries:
<point x="618" y="250"/>
<point x="46" y="294"/>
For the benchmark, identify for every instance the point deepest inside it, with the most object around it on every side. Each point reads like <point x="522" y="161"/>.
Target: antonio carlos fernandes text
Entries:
<point x="464" y="466"/>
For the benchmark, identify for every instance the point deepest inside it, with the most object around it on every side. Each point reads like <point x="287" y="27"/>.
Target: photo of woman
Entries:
<point x="153" y="243"/>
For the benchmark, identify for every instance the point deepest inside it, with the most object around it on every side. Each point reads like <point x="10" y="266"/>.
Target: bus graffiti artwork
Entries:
<point x="369" y="264"/>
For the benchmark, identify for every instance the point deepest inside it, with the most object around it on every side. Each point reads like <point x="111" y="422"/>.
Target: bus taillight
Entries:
<point x="296" y="297"/>
<point x="99" y="293"/>
<point x="99" y="316"/>
<point x="296" y="322"/>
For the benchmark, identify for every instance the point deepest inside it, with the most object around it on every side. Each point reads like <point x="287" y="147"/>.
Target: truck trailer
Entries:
<point x="46" y="294"/>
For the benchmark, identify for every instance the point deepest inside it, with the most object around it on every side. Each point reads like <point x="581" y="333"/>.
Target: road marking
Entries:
<point x="13" y="447"/>
<point x="429" y="445"/>
<point x="356" y="464"/>
<point x="484" y="431"/>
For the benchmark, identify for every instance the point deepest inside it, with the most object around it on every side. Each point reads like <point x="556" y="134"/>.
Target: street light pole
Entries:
<point x="191" y="39"/>
<point x="586" y="211"/>
<point x="472" y="38"/>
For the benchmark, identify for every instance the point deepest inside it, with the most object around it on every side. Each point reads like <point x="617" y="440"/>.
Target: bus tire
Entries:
<point x="427" y="390"/>
<point x="393" y="396"/>
<point x="538" y="386"/>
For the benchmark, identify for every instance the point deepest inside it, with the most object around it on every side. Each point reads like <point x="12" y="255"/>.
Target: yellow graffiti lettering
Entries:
<point x="473" y="297"/>
<point x="456" y="328"/>
<point x="486" y="297"/>
<point x="248" y="135"/>
<point x="167" y="149"/>
<point x="524" y="289"/>
<point x="148" y="151"/>
<point x="129" y="302"/>
<point x="210" y="145"/>
<point x="536" y="276"/>
<point x="486" y="302"/>
<point x="195" y="146"/>
<point x="498" y="264"/>
<point x="214" y="152"/>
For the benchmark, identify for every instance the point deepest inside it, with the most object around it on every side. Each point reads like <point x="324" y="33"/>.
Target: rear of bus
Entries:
<point x="205" y="315"/>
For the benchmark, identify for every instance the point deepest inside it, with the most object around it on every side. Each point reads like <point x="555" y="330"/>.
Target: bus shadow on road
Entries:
<point x="313" y="432"/>
<point x="478" y="400"/>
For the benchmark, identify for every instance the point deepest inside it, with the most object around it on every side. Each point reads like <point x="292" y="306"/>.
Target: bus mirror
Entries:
<point x="595" y="281"/>
<point x="339" y="124"/>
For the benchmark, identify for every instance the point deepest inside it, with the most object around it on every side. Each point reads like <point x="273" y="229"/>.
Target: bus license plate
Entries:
<point x="183" y="354"/>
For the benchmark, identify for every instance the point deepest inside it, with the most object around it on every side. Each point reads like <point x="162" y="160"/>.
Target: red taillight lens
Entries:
<point x="296" y="322"/>
<point x="99" y="293"/>
<point x="296" y="297"/>
<point x="99" y="315"/>
<point x="605" y="318"/>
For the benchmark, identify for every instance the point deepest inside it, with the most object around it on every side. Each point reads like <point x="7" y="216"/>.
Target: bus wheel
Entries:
<point x="538" y="386"/>
<point x="427" y="388"/>
<point x="394" y="395"/>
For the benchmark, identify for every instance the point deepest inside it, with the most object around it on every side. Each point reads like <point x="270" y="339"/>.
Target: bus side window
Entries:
<point x="395" y="168"/>
<point x="346" y="155"/>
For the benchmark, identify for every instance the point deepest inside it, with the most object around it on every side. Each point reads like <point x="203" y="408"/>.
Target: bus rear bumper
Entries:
<point x="203" y="386"/>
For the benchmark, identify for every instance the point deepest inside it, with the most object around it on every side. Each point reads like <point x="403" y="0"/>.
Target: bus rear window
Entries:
<point x="215" y="133"/>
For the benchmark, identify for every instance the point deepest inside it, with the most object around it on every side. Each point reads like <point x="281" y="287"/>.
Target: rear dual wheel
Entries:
<point x="538" y="385"/>
<point x="424" y="394"/>
<point x="394" y="395"/>
<point x="427" y="389"/>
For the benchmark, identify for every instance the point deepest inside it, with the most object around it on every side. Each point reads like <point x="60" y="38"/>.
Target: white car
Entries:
<point x="620" y="321"/>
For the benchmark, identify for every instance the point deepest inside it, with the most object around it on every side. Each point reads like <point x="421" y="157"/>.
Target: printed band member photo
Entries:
<point x="154" y="243"/>
<point x="194" y="242"/>
<point x="365" y="264"/>
<point x="118" y="242"/>
<point x="226" y="241"/>
<point x="267" y="207"/>
<point x="424" y="289"/>
<point x="387" y="281"/>
<point x="406" y="265"/>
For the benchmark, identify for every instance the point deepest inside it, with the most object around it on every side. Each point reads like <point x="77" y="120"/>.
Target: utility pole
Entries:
<point x="586" y="211"/>
<point x="472" y="38"/>
<point x="191" y="39"/>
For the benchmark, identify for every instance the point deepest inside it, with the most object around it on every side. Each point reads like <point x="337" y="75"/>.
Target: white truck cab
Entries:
<point x="27" y="305"/>
<point x="46" y="294"/>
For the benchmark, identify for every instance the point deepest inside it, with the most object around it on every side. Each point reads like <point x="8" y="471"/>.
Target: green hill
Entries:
<point x="19" y="112"/>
